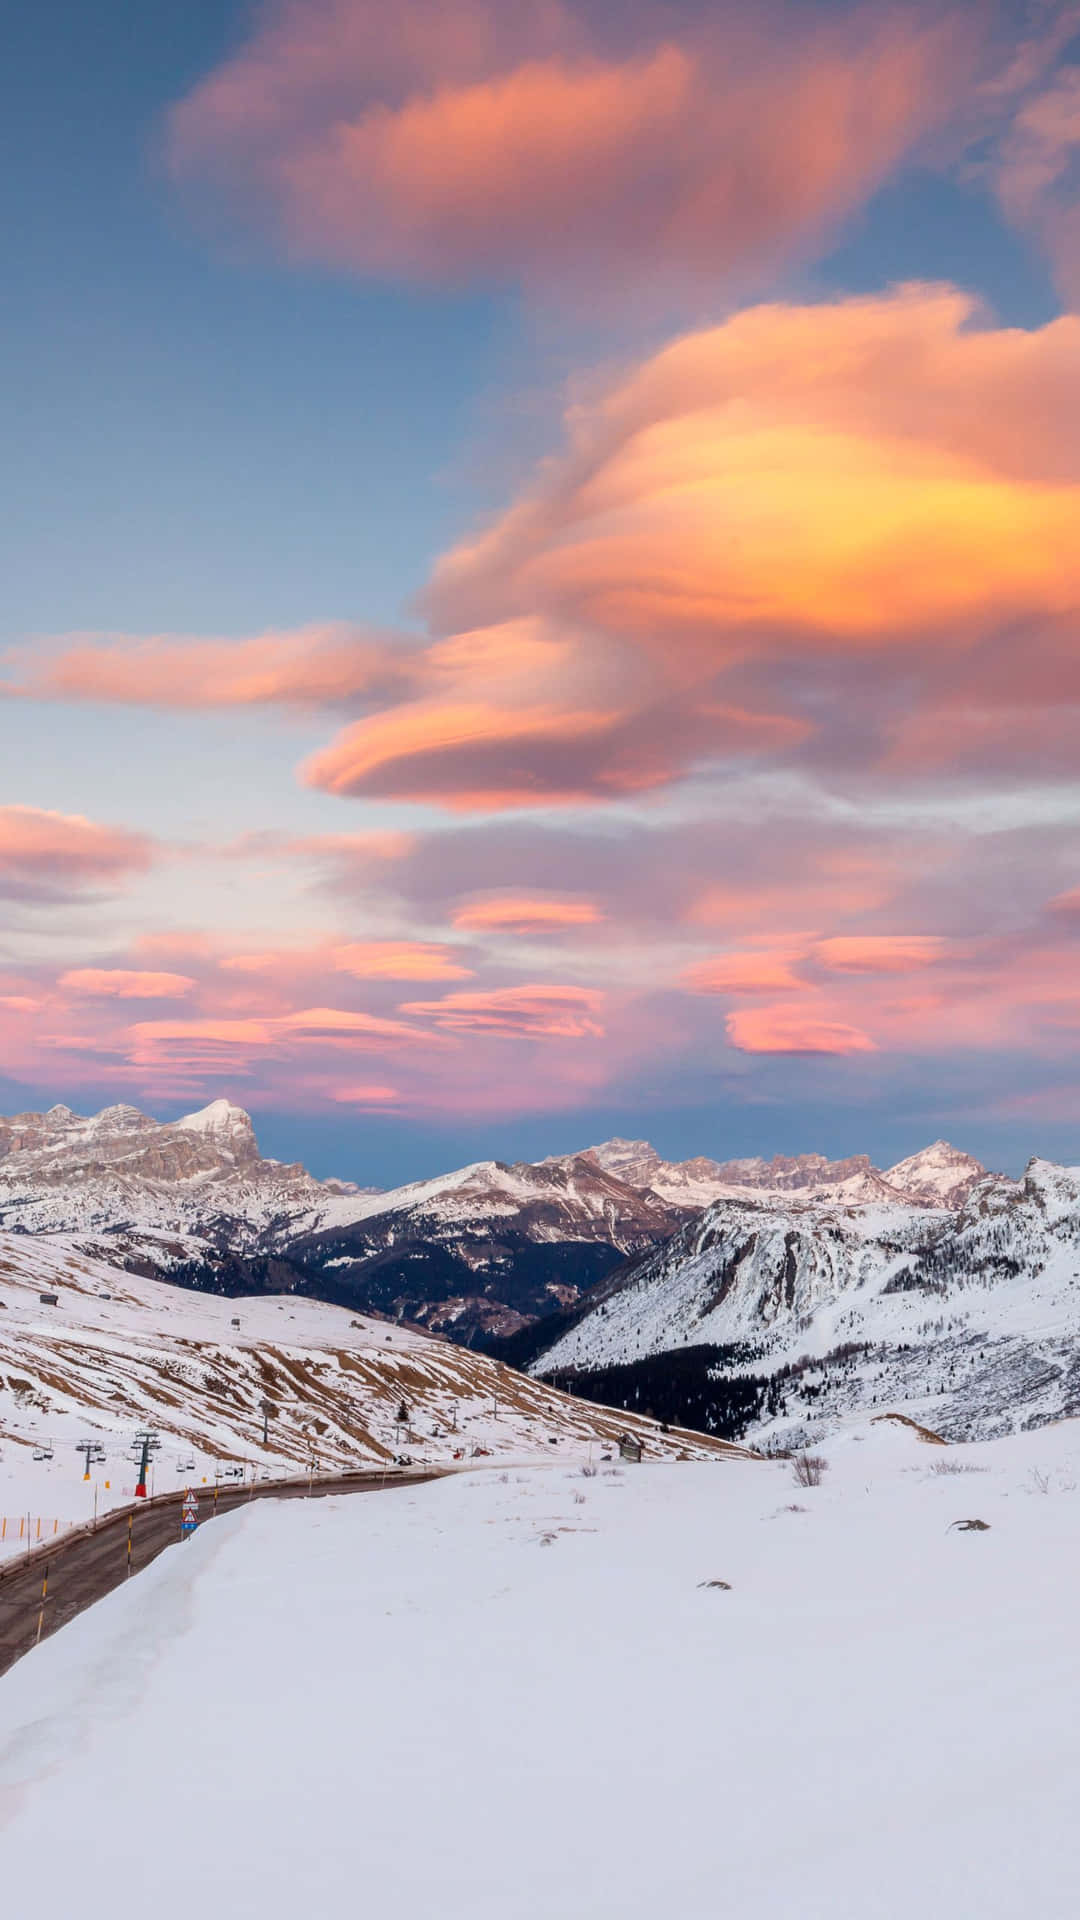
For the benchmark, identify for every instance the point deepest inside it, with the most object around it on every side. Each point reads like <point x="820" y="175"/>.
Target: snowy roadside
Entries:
<point x="509" y="1696"/>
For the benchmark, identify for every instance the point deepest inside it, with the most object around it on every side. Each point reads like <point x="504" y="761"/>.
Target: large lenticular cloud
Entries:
<point x="844" y="530"/>
<point x="565" y="143"/>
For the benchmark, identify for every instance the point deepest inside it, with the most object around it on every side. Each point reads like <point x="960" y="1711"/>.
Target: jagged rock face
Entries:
<point x="968" y="1319"/>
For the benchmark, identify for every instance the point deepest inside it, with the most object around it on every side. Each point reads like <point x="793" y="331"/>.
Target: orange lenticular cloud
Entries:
<point x="916" y="473"/>
<point x="562" y="144"/>
<point x="526" y="916"/>
<point x="530" y="1012"/>
<point x="784" y="1029"/>
<point x="120" y="983"/>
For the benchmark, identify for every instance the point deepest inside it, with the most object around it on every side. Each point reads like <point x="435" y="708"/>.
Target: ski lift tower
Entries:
<point x="143" y="1446"/>
<point x="93" y="1453"/>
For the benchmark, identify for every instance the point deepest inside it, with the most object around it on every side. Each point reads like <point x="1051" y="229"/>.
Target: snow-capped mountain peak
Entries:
<point x="228" y="1126"/>
<point x="940" y="1175"/>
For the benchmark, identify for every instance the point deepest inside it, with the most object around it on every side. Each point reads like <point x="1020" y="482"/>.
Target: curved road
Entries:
<point x="84" y="1565"/>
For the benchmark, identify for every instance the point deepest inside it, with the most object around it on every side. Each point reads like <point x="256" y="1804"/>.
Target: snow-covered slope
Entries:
<point x="970" y="1319"/>
<point x="116" y="1354"/>
<point x="522" y="1699"/>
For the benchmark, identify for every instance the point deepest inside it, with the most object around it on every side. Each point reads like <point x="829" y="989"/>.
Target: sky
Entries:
<point x="541" y="574"/>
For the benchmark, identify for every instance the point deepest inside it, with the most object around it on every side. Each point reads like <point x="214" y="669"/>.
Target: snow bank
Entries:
<point x="511" y="1698"/>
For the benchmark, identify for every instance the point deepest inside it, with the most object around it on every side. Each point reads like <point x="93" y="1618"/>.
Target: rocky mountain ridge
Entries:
<point x="480" y="1251"/>
<point x="967" y="1318"/>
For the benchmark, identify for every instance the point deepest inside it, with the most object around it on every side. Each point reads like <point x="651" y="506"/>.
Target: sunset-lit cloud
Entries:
<point x="372" y="1097"/>
<point x="1036" y="173"/>
<point x="735" y="973"/>
<point x="308" y="667"/>
<point x="399" y="960"/>
<point x="851" y="437"/>
<point x="563" y="144"/>
<point x="531" y="915"/>
<point x="527" y="1012"/>
<point x="880" y="953"/>
<point x="54" y="856"/>
<point x="124" y="983"/>
<point x="784" y="1029"/>
<point x="363" y="959"/>
<point x="625" y="620"/>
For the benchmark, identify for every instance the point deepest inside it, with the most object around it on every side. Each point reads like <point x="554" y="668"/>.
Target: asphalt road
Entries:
<point x="84" y="1565"/>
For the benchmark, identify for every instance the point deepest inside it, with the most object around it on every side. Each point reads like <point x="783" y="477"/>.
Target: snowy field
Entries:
<point x="509" y="1696"/>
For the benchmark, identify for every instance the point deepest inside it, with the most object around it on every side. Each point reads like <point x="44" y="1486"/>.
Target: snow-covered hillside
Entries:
<point x="969" y="1319"/>
<point x="691" y="1691"/>
<point x="117" y="1354"/>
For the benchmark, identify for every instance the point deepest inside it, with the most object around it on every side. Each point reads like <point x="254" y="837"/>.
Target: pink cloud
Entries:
<point x="341" y="1024"/>
<point x="374" y="1097"/>
<point x="120" y="983"/>
<point x="744" y="973"/>
<point x="524" y="713"/>
<point x="47" y="856"/>
<point x="309" y="666"/>
<point x="363" y="959"/>
<point x="783" y="1029"/>
<point x="529" y="1012"/>
<point x="880" y="953"/>
<point x="559" y="143"/>
<point x="526" y="915"/>
<point x="1035" y="173"/>
<point x="399" y="960"/>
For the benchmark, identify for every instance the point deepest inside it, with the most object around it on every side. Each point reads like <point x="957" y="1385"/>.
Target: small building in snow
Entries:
<point x="629" y="1448"/>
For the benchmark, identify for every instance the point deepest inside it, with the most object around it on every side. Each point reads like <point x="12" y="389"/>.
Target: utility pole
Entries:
<point x="269" y="1412"/>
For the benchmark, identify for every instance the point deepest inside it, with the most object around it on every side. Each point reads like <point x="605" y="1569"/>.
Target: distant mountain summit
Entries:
<point x="938" y="1176"/>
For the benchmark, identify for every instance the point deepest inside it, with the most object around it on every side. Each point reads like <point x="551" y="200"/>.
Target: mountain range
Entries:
<point x="778" y="1314"/>
<point x="750" y="1297"/>
<point x="484" y="1250"/>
